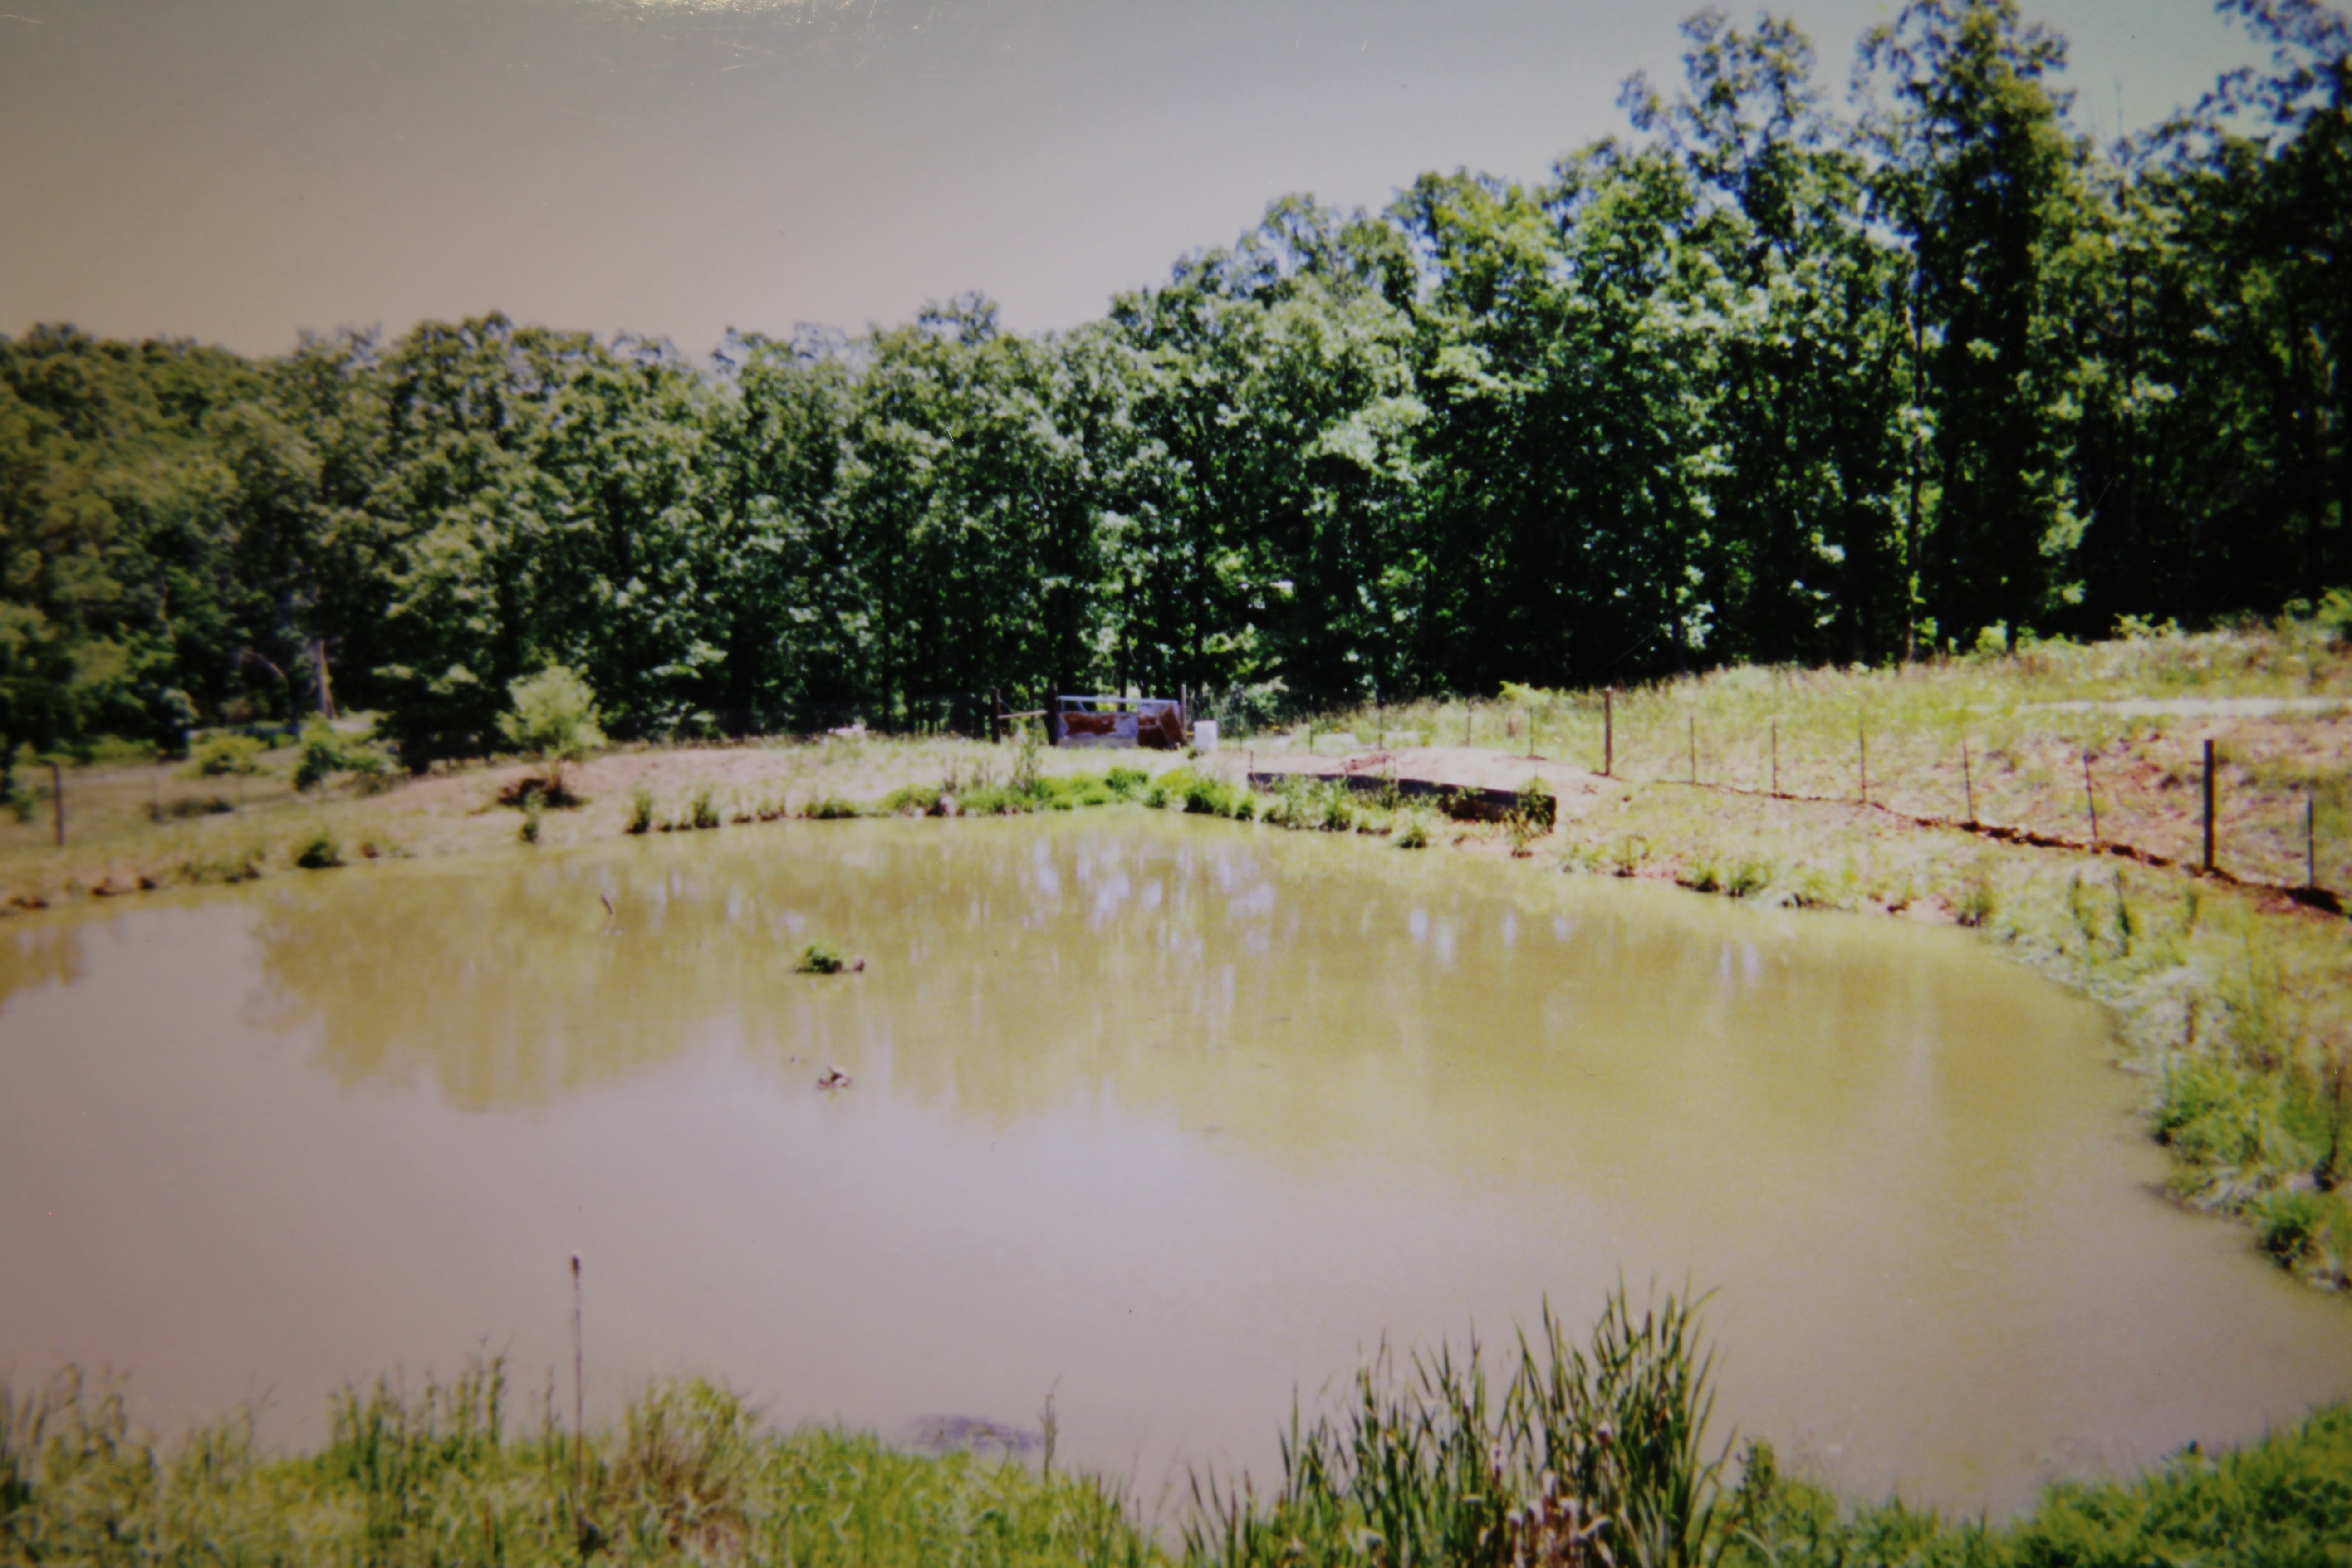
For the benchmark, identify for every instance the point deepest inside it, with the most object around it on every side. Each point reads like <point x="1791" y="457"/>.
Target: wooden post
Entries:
<point x="1861" y="738"/>
<point x="996" y="715"/>
<point x="2091" y="795"/>
<point x="1608" y="731"/>
<point x="2209" y="806"/>
<point x="1776" y="759"/>
<point x="579" y="1402"/>
<point x="1968" y="781"/>
<point x="1694" y="748"/>
<point x="57" y="800"/>
<point x="2311" y="838"/>
<point x="1466" y="722"/>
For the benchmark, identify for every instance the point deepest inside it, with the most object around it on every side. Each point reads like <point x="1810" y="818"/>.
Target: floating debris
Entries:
<point x="945" y="1433"/>
<point x="834" y="1078"/>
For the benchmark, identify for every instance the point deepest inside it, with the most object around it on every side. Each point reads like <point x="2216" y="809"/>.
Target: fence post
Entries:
<point x="996" y="715"/>
<point x="2209" y="806"/>
<point x="1968" y="781"/>
<point x="1776" y="759"/>
<point x="2311" y="838"/>
<point x="2091" y="796"/>
<point x="1694" y="748"/>
<point x="1862" y="740"/>
<point x="1608" y="731"/>
<point x="57" y="800"/>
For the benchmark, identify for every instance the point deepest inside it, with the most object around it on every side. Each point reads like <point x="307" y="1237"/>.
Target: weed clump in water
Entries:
<point x="641" y="809"/>
<point x="821" y="957"/>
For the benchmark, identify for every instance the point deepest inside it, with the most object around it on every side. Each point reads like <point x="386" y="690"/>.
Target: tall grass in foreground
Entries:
<point x="1593" y="1455"/>
<point x="434" y="1476"/>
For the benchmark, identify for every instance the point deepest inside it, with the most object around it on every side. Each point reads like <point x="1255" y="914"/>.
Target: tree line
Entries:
<point x="1777" y="375"/>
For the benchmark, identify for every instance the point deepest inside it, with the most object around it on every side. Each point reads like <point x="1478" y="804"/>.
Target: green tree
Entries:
<point x="1979" y="174"/>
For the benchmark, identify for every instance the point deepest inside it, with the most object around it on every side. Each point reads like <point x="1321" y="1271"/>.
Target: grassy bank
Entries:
<point x="443" y="1474"/>
<point x="1596" y="1452"/>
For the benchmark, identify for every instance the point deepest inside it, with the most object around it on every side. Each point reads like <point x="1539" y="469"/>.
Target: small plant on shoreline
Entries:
<point x="319" y="852"/>
<point x="704" y="808"/>
<point x="641" y="810"/>
<point x="822" y="957"/>
<point x="1626" y="856"/>
<point x="1534" y="811"/>
<point x="534" y="814"/>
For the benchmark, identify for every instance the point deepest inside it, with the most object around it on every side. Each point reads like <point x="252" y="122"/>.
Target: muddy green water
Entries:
<point x="1163" y="1117"/>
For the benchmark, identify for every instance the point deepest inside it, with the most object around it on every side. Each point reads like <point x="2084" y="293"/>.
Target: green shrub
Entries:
<point x="226" y="756"/>
<point x="554" y="716"/>
<point x="1200" y="795"/>
<point x="705" y="807"/>
<point x="326" y="752"/>
<point x="1536" y="803"/>
<point x="993" y="800"/>
<point x="921" y="800"/>
<point x="319" y="852"/>
<point x="1748" y="878"/>
<point x="641" y="809"/>
<point x="1414" y="835"/>
<point x="821" y="957"/>
<point x="2292" y="1227"/>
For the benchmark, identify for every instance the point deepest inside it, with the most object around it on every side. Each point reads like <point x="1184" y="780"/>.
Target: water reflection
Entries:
<point x="1311" y="1005"/>
<point x="45" y="953"/>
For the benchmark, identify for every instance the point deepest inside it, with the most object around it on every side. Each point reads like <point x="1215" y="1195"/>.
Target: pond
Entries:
<point x="1162" y="1118"/>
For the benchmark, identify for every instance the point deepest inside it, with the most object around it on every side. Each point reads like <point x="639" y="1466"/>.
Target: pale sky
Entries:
<point x="236" y="170"/>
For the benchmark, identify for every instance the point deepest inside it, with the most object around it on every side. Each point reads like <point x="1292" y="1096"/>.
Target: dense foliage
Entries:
<point x="1759" y="381"/>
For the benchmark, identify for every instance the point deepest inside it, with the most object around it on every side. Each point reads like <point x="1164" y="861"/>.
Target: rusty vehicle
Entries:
<point x="1154" y="721"/>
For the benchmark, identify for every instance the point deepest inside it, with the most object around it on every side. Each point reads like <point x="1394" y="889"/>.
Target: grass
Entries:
<point x="2286" y="1499"/>
<point x="441" y="1474"/>
<point x="1592" y="1452"/>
